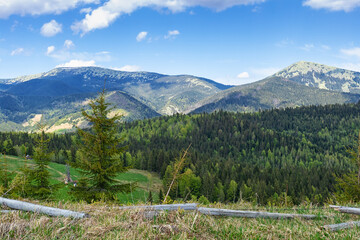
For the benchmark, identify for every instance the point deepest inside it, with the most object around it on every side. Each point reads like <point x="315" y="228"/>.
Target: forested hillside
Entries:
<point x="274" y="156"/>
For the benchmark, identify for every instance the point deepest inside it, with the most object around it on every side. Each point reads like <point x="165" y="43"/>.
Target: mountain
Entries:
<point x="322" y="76"/>
<point x="272" y="92"/>
<point x="59" y="95"/>
<point x="302" y="83"/>
<point x="63" y="113"/>
<point x="164" y="94"/>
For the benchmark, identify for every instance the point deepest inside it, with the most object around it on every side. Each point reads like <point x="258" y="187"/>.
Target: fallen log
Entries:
<point x="337" y="227"/>
<point x="7" y="211"/>
<point x="342" y="209"/>
<point x="24" y="206"/>
<point x="165" y="207"/>
<point x="250" y="214"/>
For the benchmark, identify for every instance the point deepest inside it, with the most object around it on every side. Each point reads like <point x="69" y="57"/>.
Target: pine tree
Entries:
<point x="4" y="175"/>
<point x="150" y="198"/>
<point x="99" y="161"/>
<point x="39" y="176"/>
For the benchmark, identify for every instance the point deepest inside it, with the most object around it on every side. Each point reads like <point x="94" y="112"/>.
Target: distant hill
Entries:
<point x="60" y="94"/>
<point x="302" y="83"/>
<point x="164" y="94"/>
<point x="63" y="113"/>
<point x="272" y="92"/>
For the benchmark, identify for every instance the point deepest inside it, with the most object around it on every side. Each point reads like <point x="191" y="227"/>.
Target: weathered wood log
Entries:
<point x="250" y="214"/>
<point x="337" y="227"/>
<point x="7" y="211"/>
<point x="342" y="209"/>
<point x="24" y="206"/>
<point x="164" y="207"/>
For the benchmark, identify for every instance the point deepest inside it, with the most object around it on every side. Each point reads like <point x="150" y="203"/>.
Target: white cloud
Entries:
<point x="284" y="43"/>
<point x="86" y="10"/>
<point x="307" y="47"/>
<point x="50" y="50"/>
<point x="333" y="5"/>
<point x="264" y="72"/>
<point x="350" y="66"/>
<point x="130" y="68"/>
<point x="141" y="36"/>
<point x="17" y="51"/>
<point x="243" y="75"/>
<point x="106" y="14"/>
<point x="325" y="47"/>
<point x="78" y="63"/>
<point x="69" y="44"/>
<point x="36" y="7"/>
<point x="51" y="28"/>
<point x="172" y="34"/>
<point x="352" y="52"/>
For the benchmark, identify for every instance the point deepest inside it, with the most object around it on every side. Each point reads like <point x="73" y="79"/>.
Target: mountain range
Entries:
<point x="59" y="95"/>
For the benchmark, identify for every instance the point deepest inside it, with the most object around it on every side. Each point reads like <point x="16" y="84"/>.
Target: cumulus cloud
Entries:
<point x="352" y="52"/>
<point x="36" y="7"/>
<point x="243" y="75"/>
<point x="50" y="50"/>
<point x="78" y="63"/>
<point x="51" y="28"/>
<point x="106" y="14"/>
<point x="69" y="44"/>
<point x="129" y="68"/>
<point x="333" y="5"/>
<point x="172" y="34"/>
<point x="141" y="36"/>
<point x="17" y="51"/>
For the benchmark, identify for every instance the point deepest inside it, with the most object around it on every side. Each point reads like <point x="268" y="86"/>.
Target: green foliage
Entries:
<point x="99" y="161"/>
<point x="203" y="200"/>
<point x="348" y="188"/>
<point x="38" y="178"/>
<point x="231" y="192"/>
<point x="161" y="196"/>
<point x="4" y="173"/>
<point x="150" y="198"/>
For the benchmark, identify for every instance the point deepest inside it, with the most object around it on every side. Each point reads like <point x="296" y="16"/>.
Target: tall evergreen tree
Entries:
<point x="40" y="175"/>
<point x="99" y="161"/>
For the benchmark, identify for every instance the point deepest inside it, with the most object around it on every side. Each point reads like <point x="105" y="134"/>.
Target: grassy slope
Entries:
<point x="109" y="222"/>
<point x="146" y="181"/>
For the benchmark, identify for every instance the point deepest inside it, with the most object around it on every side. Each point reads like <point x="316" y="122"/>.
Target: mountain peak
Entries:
<point x="322" y="76"/>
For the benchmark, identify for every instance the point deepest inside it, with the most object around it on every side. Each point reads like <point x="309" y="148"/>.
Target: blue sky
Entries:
<point x="230" y="41"/>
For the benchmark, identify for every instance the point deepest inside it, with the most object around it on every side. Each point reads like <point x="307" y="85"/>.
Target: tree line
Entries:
<point x="278" y="156"/>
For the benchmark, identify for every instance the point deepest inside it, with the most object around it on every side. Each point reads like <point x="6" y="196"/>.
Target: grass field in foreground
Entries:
<point x="109" y="222"/>
<point x="145" y="181"/>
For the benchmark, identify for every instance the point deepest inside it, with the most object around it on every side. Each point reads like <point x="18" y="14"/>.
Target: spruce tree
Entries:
<point x="39" y="176"/>
<point x="99" y="162"/>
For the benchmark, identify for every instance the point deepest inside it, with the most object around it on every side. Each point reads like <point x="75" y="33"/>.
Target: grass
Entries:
<point x="107" y="221"/>
<point x="144" y="181"/>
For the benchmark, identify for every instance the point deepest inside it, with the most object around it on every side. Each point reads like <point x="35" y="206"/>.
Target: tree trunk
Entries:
<point x="250" y="214"/>
<point x="163" y="207"/>
<point x="336" y="227"/>
<point x="346" y="209"/>
<point x="40" y="209"/>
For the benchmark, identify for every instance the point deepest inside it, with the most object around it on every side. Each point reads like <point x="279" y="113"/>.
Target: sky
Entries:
<point x="229" y="41"/>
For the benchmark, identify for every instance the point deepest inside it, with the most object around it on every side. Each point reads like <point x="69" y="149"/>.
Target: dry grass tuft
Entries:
<point x="110" y="222"/>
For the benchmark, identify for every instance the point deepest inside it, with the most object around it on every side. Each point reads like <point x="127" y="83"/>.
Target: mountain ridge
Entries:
<point x="57" y="95"/>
